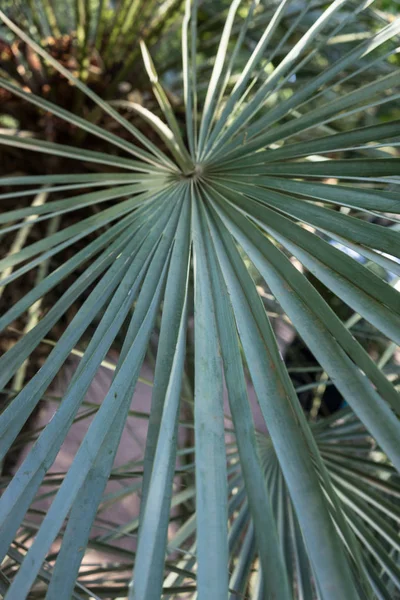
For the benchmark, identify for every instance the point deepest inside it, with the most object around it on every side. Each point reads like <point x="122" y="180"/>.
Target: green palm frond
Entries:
<point x="271" y="171"/>
<point x="92" y="35"/>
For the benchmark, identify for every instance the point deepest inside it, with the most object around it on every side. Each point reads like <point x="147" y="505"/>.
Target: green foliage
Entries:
<point x="102" y="37"/>
<point x="282" y="165"/>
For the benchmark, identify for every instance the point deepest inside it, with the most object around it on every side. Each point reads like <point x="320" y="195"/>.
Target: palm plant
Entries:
<point x="266" y="171"/>
<point x="95" y="34"/>
<point x="92" y="40"/>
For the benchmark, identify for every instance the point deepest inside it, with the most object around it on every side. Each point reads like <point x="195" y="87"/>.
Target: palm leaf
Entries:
<point x="307" y="509"/>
